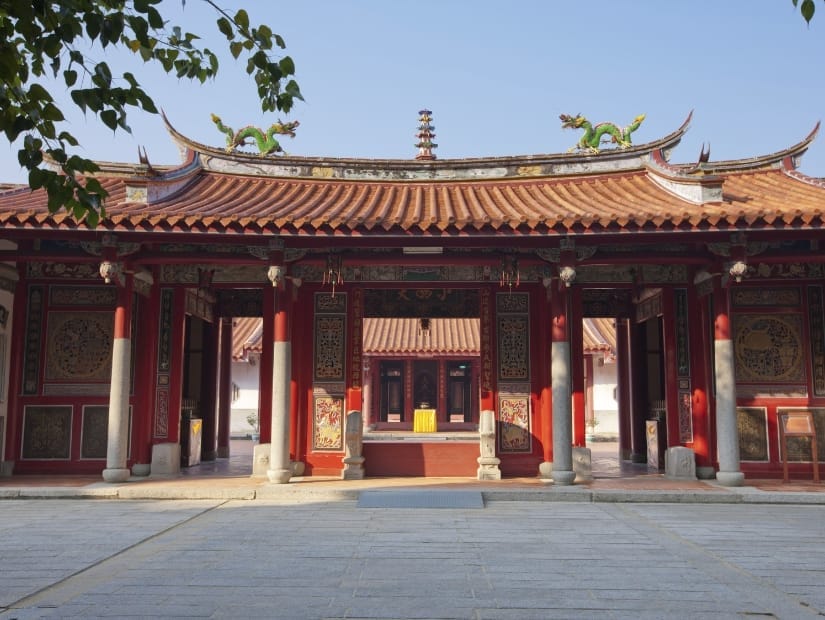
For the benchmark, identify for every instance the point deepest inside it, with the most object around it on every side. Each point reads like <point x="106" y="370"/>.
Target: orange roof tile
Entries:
<point x="397" y="336"/>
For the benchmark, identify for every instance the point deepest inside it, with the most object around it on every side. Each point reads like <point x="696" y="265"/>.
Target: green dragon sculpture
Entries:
<point x="593" y="135"/>
<point x="266" y="141"/>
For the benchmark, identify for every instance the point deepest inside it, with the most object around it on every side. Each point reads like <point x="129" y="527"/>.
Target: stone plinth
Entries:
<point x="582" y="464"/>
<point x="260" y="459"/>
<point x="680" y="463"/>
<point x="165" y="459"/>
<point x="353" y="444"/>
<point x="488" y="462"/>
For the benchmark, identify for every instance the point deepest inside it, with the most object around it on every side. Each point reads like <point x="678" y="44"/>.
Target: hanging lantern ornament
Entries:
<point x="510" y="276"/>
<point x="333" y="274"/>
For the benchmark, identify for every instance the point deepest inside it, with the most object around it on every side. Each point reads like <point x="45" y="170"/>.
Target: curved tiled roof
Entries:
<point x="403" y="336"/>
<point x="215" y="192"/>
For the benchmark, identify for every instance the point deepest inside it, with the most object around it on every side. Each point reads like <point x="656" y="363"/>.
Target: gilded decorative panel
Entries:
<point x="327" y="427"/>
<point x="685" y="416"/>
<point x="514" y="424"/>
<point x="356" y="342"/>
<point x="47" y="432"/>
<point x="101" y="296"/>
<point x="79" y="346"/>
<point x="512" y="303"/>
<point x="34" y="335"/>
<point x="513" y="348"/>
<point x="161" y="426"/>
<point x="94" y="436"/>
<point x="682" y="332"/>
<point x="752" y="423"/>
<point x="768" y="348"/>
<point x="330" y="333"/>
<point x="330" y="304"/>
<point x="799" y="448"/>
<point x="486" y="341"/>
<point x="165" y="331"/>
<point x="817" y="338"/>
<point x="760" y="296"/>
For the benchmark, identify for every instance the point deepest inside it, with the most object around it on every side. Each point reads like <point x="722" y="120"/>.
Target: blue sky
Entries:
<point x="496" y="76"/>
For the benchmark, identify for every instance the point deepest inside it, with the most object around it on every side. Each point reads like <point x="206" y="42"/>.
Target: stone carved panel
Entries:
<point x="327" y="427"/>
<point x="752" y="423"/>
<point x="47" y="432"/>
<point x="768" y="348"/>
<point x="79" y="346"/>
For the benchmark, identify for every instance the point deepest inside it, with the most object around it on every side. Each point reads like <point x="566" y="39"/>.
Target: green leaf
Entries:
<point x="109" y="118"/>
<point x="70" y="77"/>
<point x="242" y="20"/>
<point x="808" y="10"/>
<point x="235" y="48"/>
<point x="225" y="27"/>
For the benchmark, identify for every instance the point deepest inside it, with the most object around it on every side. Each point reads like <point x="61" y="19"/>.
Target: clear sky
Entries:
<point x="496" y="76"/>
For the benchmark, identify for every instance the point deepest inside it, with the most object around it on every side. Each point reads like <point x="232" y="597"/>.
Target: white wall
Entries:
<point x="246" y="377"/>
<point x="605" y="406"/>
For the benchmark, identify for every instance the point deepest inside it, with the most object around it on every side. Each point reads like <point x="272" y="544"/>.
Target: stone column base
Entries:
<point x="564" y="477"/>
<point x="730" y="478"/>
<point x="279" y="476"/>
<point x="488" y="468"/>
<point x="6" y="468"/>
<point x="353" y="468"/>
<point x="116" y="475"/>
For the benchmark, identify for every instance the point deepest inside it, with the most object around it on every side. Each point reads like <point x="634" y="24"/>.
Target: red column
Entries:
<point x="265" y="367"/>
<point x="18" y="331"/>
<point x="670" y="362"/>
<point x="224" y="386"/>
<point x="545" y="388"/>
<point x="623" y="389"/>
<point x="699" y="328"/>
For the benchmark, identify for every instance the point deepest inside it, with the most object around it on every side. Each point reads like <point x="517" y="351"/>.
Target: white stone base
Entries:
<point x="165" y="459"/>
<point x="353" y="468"/>
<point x="141" y="469"/>
<point x="680" y="463"/>
<point x="6" y="468"/>
<point x="260" y="459"/>
<point x="582" y="464"/>
<point x="546" y="470"/>
<point x="730" y="478"/>
<point x="488" y="468"/>
<point x="116" y="474"/>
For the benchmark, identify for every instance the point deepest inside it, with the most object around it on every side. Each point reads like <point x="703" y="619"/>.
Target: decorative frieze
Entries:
<point x="752" y="424"/>
<point x="816" y="329"/>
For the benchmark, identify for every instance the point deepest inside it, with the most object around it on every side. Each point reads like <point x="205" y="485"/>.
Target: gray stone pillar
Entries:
<point x="117" y="446"/>
<point x="727" y="431"/>
<point x="280" y="467"/>
<point x="563" y="473"/>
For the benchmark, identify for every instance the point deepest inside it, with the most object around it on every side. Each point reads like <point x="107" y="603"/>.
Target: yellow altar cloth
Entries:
<point x="424" y="421"/>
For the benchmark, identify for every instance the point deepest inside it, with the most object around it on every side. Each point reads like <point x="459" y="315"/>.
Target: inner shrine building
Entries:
<point x="116" y="341"/>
